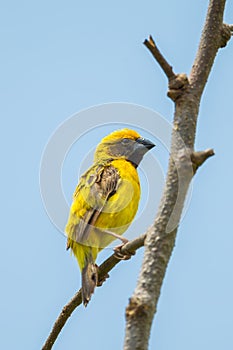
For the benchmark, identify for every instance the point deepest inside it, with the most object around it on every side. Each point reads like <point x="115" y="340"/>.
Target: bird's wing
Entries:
<point x="96" y="187"/>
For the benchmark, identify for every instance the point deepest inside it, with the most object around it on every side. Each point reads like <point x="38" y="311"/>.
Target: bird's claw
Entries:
<point x="122" y="256"/>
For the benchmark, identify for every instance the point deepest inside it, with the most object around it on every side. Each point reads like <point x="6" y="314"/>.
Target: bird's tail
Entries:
<point x="89" y="281"/>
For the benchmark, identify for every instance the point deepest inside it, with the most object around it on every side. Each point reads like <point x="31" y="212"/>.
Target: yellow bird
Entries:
<point x="105" y="201"/>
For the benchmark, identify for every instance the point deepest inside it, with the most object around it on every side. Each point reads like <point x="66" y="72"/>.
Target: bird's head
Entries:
<point x="123" y="144"/>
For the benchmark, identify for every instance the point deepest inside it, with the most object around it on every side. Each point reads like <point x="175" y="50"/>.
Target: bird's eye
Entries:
<point x="125" y="141"/>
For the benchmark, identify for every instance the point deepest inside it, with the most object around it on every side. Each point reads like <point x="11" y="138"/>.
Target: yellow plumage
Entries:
<point x="105" y="201"/>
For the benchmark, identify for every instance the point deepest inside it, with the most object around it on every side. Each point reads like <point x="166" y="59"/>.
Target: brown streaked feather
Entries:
<point x="102" y="186"/>
<point x="85" y="181"/>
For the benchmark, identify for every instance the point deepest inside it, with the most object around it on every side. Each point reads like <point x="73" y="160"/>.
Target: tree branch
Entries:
<point x="177" y="82"/>
<point x="211" y="41"/>
<point x="103" y="270"/>
<point x="150" y="44"/>
<point x="183" y="163"/>
<point x="198" y="158"/>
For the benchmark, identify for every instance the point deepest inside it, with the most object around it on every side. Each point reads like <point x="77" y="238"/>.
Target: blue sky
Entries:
<point x="59" y="58"/>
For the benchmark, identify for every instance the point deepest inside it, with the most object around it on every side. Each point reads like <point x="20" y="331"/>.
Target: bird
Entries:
<point x="105" y="202"/>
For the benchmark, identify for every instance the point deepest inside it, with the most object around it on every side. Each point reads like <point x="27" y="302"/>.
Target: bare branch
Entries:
<point x="178" y="83"/>
<point x="211" y="41"/>
<point x="103" y="270"/>
<point x="160" y="239"/>
<point x="198" y="158"/>
<point x="150" y="44"/>
<point x="61" y="320"/>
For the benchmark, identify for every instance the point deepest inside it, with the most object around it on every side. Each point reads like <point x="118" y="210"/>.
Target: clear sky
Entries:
<point x="57" y="59"/>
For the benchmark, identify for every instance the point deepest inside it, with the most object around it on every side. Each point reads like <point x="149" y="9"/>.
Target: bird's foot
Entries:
<point x="122" y="256"/>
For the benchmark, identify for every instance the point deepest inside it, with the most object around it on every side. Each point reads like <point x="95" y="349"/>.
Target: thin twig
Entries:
<point x="166" y="67"/>
<point x="178" y="83"/>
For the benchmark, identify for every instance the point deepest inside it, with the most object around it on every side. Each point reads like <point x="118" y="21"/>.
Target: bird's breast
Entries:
<point x="121" y="207"/>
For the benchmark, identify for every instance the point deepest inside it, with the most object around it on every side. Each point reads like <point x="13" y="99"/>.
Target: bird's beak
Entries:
<point x="141" y="147"/>
<point x="146" y="143"/>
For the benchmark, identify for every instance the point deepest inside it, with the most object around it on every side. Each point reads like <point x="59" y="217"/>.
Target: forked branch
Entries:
<point x="166" y="67"/>
<point x="183" y="163"/>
